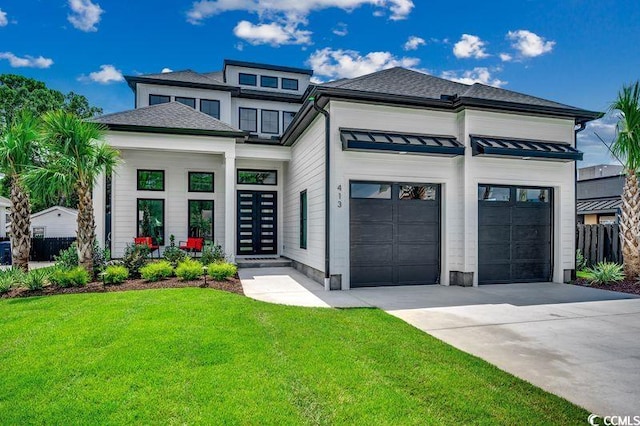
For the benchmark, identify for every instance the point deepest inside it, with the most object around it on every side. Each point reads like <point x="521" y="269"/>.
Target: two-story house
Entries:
<point x="392" y="178"/>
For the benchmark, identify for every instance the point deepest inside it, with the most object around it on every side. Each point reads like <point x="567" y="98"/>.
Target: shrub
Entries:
<point x="212" y="255"/>
<point x="68" y="258"/>
<point x="581" y="262"/>
<point x="115" y="274"/>
<point x="37" y="278"/>
<point x="606" y="273"/>
<point x="134" y="258"/>
<point x="5" y="283"/>
<point x="156" y="271"/>
<point x="189" y="269"/>
<point x="222" y="271"/>
<point x="173" y="254"/>
<point x="100" y="257"/>
<point x="75" y="277"/>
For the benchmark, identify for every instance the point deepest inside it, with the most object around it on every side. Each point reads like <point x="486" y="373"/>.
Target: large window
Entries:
<point x="269" y="121"/>
<point x="248" y="79"/>
<point x="210" y="107"/>
<point x="371" y="190"/>
<point x="187" y="101"/>
<point x="290" y="84"/>
<point x="493" y="193"/>
<point x="150" y="219"/>
<point x="268" y="81"/>
<point x="249" y="119"/>
<point x="201" y="219"/>
<point x="150" y="180"/>
<point x="200" y="182"/>
<point x="303" y="219"/>
<point x="287" y="118"/>
<point x="257" y="177"/>
<point x="159" y="99"/>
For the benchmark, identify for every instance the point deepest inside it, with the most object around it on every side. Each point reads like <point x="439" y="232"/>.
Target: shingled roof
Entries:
<point x="168" y="116"/>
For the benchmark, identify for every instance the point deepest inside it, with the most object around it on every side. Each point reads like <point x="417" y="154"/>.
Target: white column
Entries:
<point x="98" y="196"/>
<point x="230" y="205"/>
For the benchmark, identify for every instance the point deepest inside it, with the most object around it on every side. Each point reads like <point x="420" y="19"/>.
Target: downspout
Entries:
<point x="581" y="127"/>
<point x="327" y="193"/>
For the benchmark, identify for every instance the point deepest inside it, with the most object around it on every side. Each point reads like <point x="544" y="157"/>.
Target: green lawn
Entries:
<point x="185" y="356"/>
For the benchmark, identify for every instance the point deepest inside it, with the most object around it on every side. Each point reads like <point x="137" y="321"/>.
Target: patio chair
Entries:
<point x="147" y="241"/>
<point x="192" y="245"/>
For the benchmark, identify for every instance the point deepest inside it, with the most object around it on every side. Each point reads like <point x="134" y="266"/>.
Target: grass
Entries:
<point x="185" y="356"/>
<point x="584" y="274"/>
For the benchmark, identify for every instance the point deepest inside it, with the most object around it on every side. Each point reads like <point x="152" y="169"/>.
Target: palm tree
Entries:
<point x="75" y="156"/>
<point x="18" y="151"/>
<point x="627" y="147"/>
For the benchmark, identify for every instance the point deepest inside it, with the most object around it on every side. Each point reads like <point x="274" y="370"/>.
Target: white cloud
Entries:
<point x="341" y="29"/>
<point x="84" y="15"/>
<point x="413" y="43"/>
<point x="274" y="33"/>
<point x="341" y="63"/>
<point x="476" y="75"/>
<point x="505" y="57"/>
<point x="528" y="44"/>
<point x="26" y="61"/>
<point x="166" y="70"/>
<point x="470" y="46"/>
<point x="107" y="74"/>
<point x="4" y="21"/>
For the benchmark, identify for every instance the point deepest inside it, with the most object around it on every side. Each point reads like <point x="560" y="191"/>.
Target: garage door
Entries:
<point x="514" y="234"/>
<point x="395" y="234"/>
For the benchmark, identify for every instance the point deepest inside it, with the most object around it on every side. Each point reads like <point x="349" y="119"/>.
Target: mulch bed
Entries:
<point x="629" y="286"/>
<point x="232" y="285"/>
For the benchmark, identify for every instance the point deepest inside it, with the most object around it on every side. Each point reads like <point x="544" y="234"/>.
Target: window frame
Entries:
<point x="264" y="77"/>
<point x="484" y="200"/>
<point x="150" y="170"/>
<point x="284" y="128"/>
<point x="256" y="171"/>
<point x="304" y="219"/>
<point x="255" y="78"/>
<point x="159" y="96"/>
<point x="213" y="182"/>
<point x="164" y="219"/>
<point x="213" y="214"/>
<point x="353" y="196"/>
<point x="282" y="80"/>
<point x="217" y="101"/>
<point x="277" y="121"/>
<point x="255" y="110"/>
<point x="186" y="97"/>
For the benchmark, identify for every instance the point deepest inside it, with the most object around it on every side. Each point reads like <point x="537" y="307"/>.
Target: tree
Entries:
<point x="627" y="147"/>
<point x="75" y="156"/>
<point x="18" y="152"/>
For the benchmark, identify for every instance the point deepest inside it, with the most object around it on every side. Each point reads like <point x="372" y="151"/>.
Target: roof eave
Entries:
<point x="174" y="131"/>
<point x="134" y="80"/>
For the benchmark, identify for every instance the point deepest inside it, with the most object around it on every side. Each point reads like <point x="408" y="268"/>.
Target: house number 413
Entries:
<point x="339" y="196"/>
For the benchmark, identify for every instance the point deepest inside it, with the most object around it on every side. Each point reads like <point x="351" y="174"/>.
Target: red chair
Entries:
<point x="147" y="241"/>
<point x="192" y="244"/>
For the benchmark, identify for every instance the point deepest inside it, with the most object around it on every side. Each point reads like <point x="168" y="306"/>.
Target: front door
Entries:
<point x="257" y="222"/>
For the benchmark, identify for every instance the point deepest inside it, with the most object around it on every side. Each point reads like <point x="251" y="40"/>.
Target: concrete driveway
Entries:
<point x="580" y="343"/>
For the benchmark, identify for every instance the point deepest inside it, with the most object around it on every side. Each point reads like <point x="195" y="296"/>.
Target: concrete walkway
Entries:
<point x="580" y="343"/>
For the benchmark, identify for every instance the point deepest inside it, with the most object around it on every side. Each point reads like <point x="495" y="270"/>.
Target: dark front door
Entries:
<point x="257" y="222"/>
<point x="395" y="234"/>
<point x="514" y="234"/>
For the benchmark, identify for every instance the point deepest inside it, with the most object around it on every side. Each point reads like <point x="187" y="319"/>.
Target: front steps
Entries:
<point x="262" y="262"/>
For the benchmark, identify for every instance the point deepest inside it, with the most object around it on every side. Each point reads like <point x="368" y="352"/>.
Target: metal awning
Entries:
<point x="595" y="206"/>
<point x="524" y="149"/>
<point x="401" y="143"/>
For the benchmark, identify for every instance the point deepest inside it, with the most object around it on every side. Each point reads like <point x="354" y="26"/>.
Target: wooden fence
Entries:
<point x="599" y="243"/>
<point x="46" y="248"/>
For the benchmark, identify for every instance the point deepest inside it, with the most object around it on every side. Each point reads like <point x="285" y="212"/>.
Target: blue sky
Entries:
<point x="578" y="52"/>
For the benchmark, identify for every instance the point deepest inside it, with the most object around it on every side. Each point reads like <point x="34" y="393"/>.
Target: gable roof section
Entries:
<point x="184" y="78"/>
<point x="72" y="212"/>
<point x="171" y="117"/>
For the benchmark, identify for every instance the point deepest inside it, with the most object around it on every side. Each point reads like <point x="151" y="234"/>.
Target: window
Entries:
<point x="159" y="99"/>
<point x="210" y="107"/>
<point x="201" y="219"/>
<point x="418" y="192"/>
<point x="248" y="79"/>
<point x="290" y="84"/>
<point x="493" y="193"/>
<point x="150" y="180"/>
<point x="151" y="219"/>
<point x="371" y="190"/>
<point x="38" y="231"/>
<point x="268" y="81"/>
<point x="257" y="177"/>
<point x="200" y="182"/>
<point x="187" y="101"/>
<point x="249" y="119"/>
<point x="287" y="118"/>
<point x="533" y="195"/>
<point x="269" y="121"/>
<point x="303" y="219"/>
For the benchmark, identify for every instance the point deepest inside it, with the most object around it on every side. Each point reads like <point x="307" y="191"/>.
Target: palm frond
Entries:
<point x="627" y="143"/>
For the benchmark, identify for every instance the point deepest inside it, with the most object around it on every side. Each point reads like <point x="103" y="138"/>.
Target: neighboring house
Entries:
<point x="54" y="222"/>
<point x="5" y="208"/>
<point x="392" y="178"/>
<point x="599" y="194"/>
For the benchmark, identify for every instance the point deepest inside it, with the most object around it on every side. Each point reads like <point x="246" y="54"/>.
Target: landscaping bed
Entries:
<point x="626" y="286"/>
